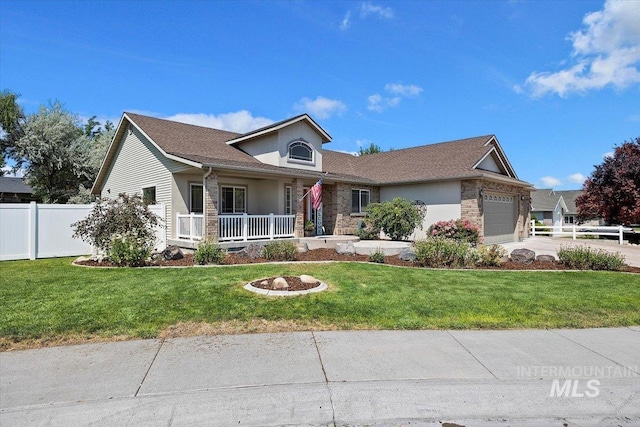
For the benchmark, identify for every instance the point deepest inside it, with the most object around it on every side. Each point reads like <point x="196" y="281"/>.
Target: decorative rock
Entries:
<point x="253" y="251"/>
<point x="172" y="252"/>
<point x="523" y="256"/>
<point x="407" y="254"/>
<point x="345" y="248"/>
<point x="546" y="258"/>
<point x="305" y="278"/>
<point x="264" y="282"/>
<point x="302" y="248"/>
<point x="280" y="283"/>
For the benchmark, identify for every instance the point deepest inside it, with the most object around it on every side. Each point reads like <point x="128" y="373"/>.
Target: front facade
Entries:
<point x="226" y="186"/>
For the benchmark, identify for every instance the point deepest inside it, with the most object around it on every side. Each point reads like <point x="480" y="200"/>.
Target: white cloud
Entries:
<point x="240" y="121"/>
<point x="607" y="154"/>
<point x="9" y="172"/>
<point x="576" y="178"/>
<point x="321" y="107"/>
<point x="368" y="8"/>
<point x="550" y="181"/>
<point x="346" y="21"/>
<point x="353" y="153"/>
<point x="397" y="92"/>
<point x="606" y="52"/>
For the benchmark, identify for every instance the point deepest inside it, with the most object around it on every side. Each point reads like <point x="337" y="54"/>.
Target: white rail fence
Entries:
<point x="574" y="230"/>
<point x="30" y="231"/>
<point x="237" y="227"/>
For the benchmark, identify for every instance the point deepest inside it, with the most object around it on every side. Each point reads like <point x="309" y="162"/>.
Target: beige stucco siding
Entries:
<point x="139" y="164"/>
<point x="442" y="200"/>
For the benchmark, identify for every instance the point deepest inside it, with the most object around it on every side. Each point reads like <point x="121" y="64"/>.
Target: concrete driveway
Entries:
<point x="550" y="246"/>
<point x="476" y="378"/>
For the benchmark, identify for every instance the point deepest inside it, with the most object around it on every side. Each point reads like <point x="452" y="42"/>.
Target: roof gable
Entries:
<point x="279" y="125"/>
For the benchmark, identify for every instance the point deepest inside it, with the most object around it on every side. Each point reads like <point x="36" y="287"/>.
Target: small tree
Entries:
<point x="124" y="217"/>
<point x="612" y="192"/>
<point x="397" y="218"/>
<point x="371" y="149"/>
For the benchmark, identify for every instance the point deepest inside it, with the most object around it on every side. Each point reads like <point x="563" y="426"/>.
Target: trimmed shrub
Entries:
<point x="442" y="252"/>
<point x="397" y="218"/>
<point x="586" y="258"/>
<point x="458" y="229"/>
<point x="208" y="253"/>
<point x="490" y="256"/>
<point x="377" y="257"/>
<point x="129" y="251"/>
<point x="280" y="251"/>
<point x="366" y="230"/>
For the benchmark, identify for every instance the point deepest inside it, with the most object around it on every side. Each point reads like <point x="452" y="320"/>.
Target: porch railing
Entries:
<point x="237" y="227"/>
<point x="248" y="227"/>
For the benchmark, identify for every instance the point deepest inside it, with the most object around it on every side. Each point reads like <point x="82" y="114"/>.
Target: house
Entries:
<point x="228" y="186"/>
<point x="15" y="190"/>
<point x="556" y="208"/>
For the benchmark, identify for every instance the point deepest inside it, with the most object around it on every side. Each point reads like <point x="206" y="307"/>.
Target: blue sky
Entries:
<point x="557" y="82"/>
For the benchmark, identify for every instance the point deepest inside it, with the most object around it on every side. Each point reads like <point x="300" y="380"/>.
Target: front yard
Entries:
<point x="51" y="301"/>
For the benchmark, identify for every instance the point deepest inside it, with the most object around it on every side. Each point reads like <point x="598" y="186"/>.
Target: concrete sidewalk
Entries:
<point x="472" y="378"/>
<point x="550" y="245"/>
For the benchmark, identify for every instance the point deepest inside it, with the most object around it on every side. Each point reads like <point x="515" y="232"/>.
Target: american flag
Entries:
<point x="316" y="194"/>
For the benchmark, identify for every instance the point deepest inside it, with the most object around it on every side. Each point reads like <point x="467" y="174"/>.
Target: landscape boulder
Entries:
<point x="407" y="254"/>
<point x="302" y="248"/>
<point x="252" y="251"/>
<point x="345" y="248"/>
<point x="523" y="256"/>
<point x="305" y="278"/>
<point x="172" y="252"/>
<point x="280" y="283"/>
<point x="546" y="258"/>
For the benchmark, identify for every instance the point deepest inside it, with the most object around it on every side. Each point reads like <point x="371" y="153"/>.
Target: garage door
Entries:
<point x="499" y="218"/>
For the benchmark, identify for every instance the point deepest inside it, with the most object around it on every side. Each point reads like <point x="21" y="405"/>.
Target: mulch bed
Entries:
<point x="331" y="255"/>
<point x="294" y="282"/>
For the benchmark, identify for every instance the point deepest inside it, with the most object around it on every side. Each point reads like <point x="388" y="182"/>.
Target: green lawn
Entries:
<point x="50" y="299"/>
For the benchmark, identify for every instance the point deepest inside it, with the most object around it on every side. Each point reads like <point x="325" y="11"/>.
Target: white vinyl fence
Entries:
<point x="30" y="231"/>
<point x="574" y="230"/>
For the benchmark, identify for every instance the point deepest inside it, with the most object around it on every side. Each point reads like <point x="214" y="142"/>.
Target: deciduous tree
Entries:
<point x="612" y="192"/>
<point x="11" y="120"/>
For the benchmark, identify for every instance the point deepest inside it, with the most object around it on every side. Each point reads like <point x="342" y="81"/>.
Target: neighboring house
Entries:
<point x="228" y="186"/>
<point x="14" y="190"/>
<point x="557" y="207"/>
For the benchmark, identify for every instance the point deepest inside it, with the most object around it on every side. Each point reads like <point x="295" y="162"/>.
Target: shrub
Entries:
<point x="377" y="256"/>
<point x="397" y="218"/>
<point x="366" y="230"/>
<point x="280" y="251"/>
<point x="586" y="258"/>
<point x="459" y="230"/>
<point x="443" y="252"/>
<point x="490" y="255"/>
<point x="129" y="251"/>
<point x="125" y="216"/>
<point x="208" y="253"/>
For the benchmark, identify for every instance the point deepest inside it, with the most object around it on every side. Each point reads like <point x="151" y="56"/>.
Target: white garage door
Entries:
<point x="499" y="218"/>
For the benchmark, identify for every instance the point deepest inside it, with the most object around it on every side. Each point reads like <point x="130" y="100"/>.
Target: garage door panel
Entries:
<point x="499" y="218"/>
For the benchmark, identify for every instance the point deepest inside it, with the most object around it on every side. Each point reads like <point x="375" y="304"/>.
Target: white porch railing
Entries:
<point x="237" y="227"/>
<point x="574" y="230"/>
<point x="189" y="226"/>
<point x="248" y="227"/>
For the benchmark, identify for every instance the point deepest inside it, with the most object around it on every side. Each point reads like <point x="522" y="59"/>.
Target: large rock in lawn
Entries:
<point x="252" y="251"/>
<point x="305" y="278"/>
<point x="546" y="258"/>
<point x="523" y="256"/>
<point x="172" y="252"/>
<point x="280" y="283"/>
<point x="407" y="254"/>
<point x="345" y="248"/>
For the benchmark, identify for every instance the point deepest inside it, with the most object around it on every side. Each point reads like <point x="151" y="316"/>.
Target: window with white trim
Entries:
<point x="359" y="200"/>
<point x="288" y="200"/>
<point x="233" y="200"/>
<point x="300" y="151"/>
<point x="196" y="199"/>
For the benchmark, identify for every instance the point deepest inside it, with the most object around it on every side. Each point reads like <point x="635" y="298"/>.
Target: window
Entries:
<point x="197" y="198"/>
<point x="569" y="219"/>
<point x="288" y="201"/>
<point x="299" y="150"/>
<point x="359" y="200"/>
<point x="233" y="200"/>
<point x="149" y="195"/>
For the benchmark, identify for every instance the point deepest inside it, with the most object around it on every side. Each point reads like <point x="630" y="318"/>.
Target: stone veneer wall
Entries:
<point x="471" y="203"/>
<point x="298" y="208"/>
<point x="211" y="207"/>
<point x="340" y="220"/>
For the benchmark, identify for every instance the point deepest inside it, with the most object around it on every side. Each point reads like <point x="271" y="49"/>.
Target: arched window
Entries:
<point x="299" y="150"/>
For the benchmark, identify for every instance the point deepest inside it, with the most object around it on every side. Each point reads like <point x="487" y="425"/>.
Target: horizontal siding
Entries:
<point x="139" y="164"/>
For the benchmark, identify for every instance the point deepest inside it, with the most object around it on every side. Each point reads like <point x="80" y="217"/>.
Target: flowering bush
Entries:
<point x="458" y="229"/>
<point x="129" y="250"/>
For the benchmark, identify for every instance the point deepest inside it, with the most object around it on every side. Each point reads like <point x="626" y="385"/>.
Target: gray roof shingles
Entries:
<point x="14" y="185"/>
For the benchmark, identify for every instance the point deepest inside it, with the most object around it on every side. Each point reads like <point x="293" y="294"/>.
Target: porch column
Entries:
<point x="211" y="207"/>
<point x="298" y="209"/>
<point x="343" y="207"/>
<point x="471" y="204"/>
